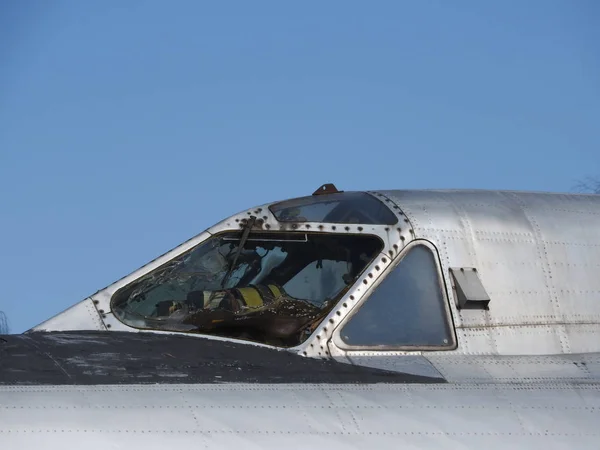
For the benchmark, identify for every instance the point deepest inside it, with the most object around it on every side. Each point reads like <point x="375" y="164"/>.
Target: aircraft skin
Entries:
<point x="493" y="342"/>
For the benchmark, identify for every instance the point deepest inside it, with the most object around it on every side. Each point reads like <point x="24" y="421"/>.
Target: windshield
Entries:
<point x="280" y="288"/>
<point x="343" y="207"/>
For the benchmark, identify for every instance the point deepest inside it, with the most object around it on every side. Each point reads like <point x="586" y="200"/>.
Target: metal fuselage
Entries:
<point x="519" y="366"/>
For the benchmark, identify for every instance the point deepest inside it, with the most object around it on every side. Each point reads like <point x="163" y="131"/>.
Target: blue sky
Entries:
<point x="128" y="127"/>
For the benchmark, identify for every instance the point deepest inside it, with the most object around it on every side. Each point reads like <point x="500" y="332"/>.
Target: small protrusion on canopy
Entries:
<point x="327" y="188"/>
<point x="470" y="293"/>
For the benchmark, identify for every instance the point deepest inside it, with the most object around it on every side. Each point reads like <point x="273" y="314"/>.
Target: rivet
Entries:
<point x="345" y="305"/>
<point x="360" y="228"/>
<point x="267" y="226"/>
<point x="101" y="311"/>
<point x="307" y="226"/>
<point x="265" y="217"/>
<point x="399" y="230"/>
<point x="391" y="252"/>
<point x="387" y="228"/>
<point x="237" y="220"/>
<point x="108" y="325"/>
<point x="406" y="220"/>
<point x="376" y="267"/>
<point x="383" y="260"/>
<point x="370" y="275"/>
<point x="331" y="321"/>
<point x="259" y="210"/>
<point x="249" y="213"/>
<point x="321" y="227"/>
<point x="365" y="281"/>
<point x="333" y="227"/>
<point x="352" y="297"/>
<point x="325" y="329"/>
<point x="474" y="269"/>
<point x="402" y="238"/>
<point x="395" y="247"/>
<point x="304" y="353"/>
<point x="318" y="336"/>
<point x="338" y="313"/>
<point x="96" y="302"/>
<point x="347" y="228"/>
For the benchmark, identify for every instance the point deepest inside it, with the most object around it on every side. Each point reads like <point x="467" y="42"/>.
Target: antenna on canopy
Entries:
<point x="327" y="188"/>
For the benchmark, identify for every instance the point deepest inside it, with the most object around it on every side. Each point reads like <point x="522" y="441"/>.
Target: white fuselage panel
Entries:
<point x="253" y="416"/>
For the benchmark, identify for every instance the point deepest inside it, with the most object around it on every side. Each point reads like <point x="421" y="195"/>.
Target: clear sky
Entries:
<point x="126" y="127"/>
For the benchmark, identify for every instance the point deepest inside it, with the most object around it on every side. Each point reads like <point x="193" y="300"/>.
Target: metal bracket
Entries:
<point x="327" y="188"/>
<point x="470" y="293"/>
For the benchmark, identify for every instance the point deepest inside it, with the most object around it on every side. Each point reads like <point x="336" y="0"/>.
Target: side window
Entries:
<point x="406" y="310"/>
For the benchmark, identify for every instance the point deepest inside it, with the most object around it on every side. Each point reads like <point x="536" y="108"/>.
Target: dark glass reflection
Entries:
<point x="407" y="308"/>
<point x="345" y="207"/>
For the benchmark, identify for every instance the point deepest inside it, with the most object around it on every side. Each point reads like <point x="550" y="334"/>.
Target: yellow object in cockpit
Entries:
<point x="252" y="297"/>
<point x="257" y="296"/>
